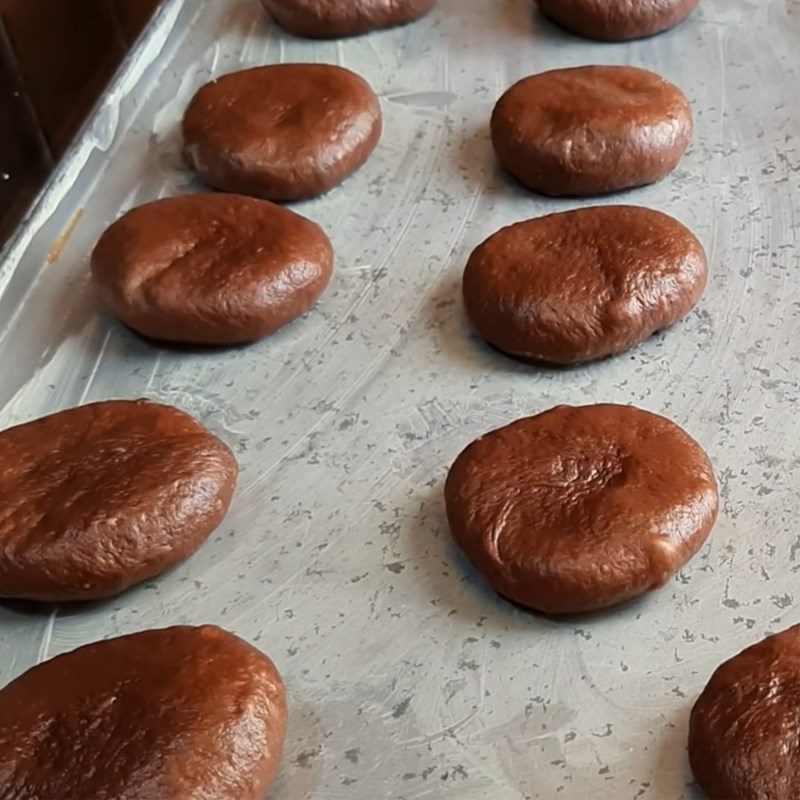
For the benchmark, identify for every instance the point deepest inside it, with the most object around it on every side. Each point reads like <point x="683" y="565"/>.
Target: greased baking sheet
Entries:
<point x="407" y="676"/>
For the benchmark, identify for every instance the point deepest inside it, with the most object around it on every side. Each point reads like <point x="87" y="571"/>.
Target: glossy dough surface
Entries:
<point x="175" y="714"/>
<point x="282" y="132"/>
<point x="211" y="269"/>
<point x="580" y="508"/>
<point x="330" y="19"/>
<point x="744" y="732"/>
<point x="617" y="20"/>
<point x="101" y="497"/>
<point x="585" y="284"/>
<point x="591" y="130"/>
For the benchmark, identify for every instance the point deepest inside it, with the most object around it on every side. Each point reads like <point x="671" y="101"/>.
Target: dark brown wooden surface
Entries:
<point x="54" y="63"/>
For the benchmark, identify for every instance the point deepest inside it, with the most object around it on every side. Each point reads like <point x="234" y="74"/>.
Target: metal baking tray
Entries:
<point x="408" y="677"/>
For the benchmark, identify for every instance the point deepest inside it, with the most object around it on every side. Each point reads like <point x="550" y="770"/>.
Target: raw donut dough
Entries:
<point x="580" y="508"/>
<point x="331" y="19"/>
<point x="99" y="498"/>
<point x="581" y="285"/>
<point x="744" y="732"/>
<point x="591" y="130"/>
<point x="617" y="20"/>
<point x="176" y="714"/>
<point x="283" y="132"/>
<point x="211" y="269"/>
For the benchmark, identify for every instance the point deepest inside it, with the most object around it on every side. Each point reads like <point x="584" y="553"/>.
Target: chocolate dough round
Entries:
<point x="581" y="285"/>
<point x="617" y="20"/>
<point x="283" y="132"/>
<point x="580" y="508"/>
<point x="744" y="732"/>
<point x="211" y="269"/>
<point x="331" y="19"/>
<point x="101" y="497"/>
<point x="591" y="130"/>
<point x="176" y="714"/>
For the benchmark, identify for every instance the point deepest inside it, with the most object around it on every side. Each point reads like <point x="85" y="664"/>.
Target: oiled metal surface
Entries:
<point x="408" y="678"/>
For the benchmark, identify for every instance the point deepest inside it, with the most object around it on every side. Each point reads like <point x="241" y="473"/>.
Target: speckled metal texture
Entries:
<point x="407" y="677"/>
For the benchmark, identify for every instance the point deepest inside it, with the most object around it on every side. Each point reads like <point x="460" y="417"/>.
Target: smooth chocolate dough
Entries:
<point x="283" y="132"/>
<point x="580" y="508"/>
<point x="104" y="496"/>
<point x="591" y="130"/>
<point x="331" y="19"/>
<point x="211" y="269"/>
<point x="582" y="285"/>
<point x="744" y="731"/>
<point x="617" y="20"/>
<point x="176" y="714"/>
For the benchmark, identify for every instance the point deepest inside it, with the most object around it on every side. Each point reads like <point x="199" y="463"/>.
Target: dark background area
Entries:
<point x="56" y="57"/>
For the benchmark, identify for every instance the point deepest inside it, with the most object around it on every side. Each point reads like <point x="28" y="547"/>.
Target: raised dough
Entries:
<point x="580" y="508"/>
<point x="330" y="19"/>
<point x="744" y="731"/>
<point x="101" y="497"/>
<point x="591" y="130"/>
<point x="282" y="132"/>
<point x="581" y="285"/>
<point x="176" y="714"/>
<point x="617" y="20"/>
<point x="211" y="269"/>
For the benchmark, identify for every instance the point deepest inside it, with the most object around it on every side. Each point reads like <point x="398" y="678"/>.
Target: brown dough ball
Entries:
<point x="105" y="496"/>
<point x="580" y="508"/>
<point x="211" y="269"/>
<point x="582" y="285"/>
<point x="176" y="714"/>
<point x="331" y="19"/>
<point x="617" y="20"/>
<point x="591" y="130"/>
<point x="283" y="132"/>
<point x="744" y="732"/>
